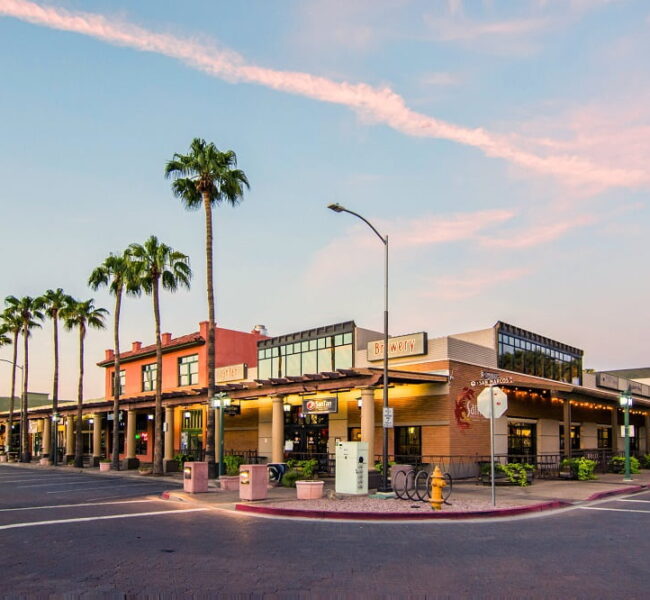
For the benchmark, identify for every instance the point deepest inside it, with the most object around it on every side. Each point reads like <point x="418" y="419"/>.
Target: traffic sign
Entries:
<point x="484" y="404"/>
<point x="388" y="417"/>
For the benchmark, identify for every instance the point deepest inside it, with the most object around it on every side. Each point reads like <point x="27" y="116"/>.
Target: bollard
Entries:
<point x="437" y="483"/>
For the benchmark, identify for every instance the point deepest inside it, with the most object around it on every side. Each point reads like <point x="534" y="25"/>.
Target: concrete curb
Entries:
<point x="630" y="489"/>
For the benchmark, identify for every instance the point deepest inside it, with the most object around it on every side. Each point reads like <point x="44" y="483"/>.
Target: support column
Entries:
<point x="69" y="438"/>
<point x="277" y="430"/>
<point x="47" y="438"/>
<point x="130" y="462"/>
<point x="368" y="423"/>
<point x="567" y="427"/>
<point x="169" y="464"/>
<point x="615" y="431"/>
<point x="97" y="438"/>
<point x="647" y="433"/>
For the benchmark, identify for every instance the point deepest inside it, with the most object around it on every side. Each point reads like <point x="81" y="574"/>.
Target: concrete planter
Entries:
<point x="3" y="458"/>
<point x="309" y="490"/>
<point x="45" y="461"/>
<point x="103" y="466"/>
<point x="229" y="483"/>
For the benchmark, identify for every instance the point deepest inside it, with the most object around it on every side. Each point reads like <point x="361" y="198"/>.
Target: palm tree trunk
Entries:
<point x="78" y="448"/>
<point x="55" y="391"/>
<point x="158" y="437"/>
<point x="25" y="454"/>
<point x="10" y="424"/>
<point x="115" y="459"/>
<point x="209" y="442"/>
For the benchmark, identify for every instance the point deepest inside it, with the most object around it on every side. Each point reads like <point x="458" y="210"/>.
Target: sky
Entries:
<point x="502" y="146"/>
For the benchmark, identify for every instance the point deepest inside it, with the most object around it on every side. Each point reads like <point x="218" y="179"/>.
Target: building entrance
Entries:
<point x="308" y="435"/>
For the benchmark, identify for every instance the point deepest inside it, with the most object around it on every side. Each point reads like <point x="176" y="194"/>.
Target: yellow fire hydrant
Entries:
<point x="437" y="483"/>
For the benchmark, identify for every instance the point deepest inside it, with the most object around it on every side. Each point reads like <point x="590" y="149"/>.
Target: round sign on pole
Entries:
<point x="484" y="404"/>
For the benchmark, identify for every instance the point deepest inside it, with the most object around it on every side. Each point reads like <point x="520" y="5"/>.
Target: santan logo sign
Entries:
<point x="404" y="345"/>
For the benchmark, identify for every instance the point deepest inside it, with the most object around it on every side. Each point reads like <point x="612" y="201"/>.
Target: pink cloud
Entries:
<point x="376" y="104"/>
<point x="473" y="283"/>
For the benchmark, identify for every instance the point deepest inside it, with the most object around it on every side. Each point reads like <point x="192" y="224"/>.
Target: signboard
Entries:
<point x="498" y="380"/>
<point x="489" y="375"/>
<point x="320" y="406"/>
<point x="388" y="418"/>
<point x="623" y="430"/>
<point x="404" y="345"/>
<point x="231" y="373"/>
<point x="484" y="404"/>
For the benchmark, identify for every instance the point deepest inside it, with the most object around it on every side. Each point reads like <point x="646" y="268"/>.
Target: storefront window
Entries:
<point x="408" y="443"/>
<point x="522" y="441"/>
<point x="354" y="434"/>
<point x="605" y="438"/>
<point x="575" y="437"/>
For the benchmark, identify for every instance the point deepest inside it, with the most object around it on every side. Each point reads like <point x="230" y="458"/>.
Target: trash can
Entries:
<point x="195" y="477"/>
<point x="253" y="482"/>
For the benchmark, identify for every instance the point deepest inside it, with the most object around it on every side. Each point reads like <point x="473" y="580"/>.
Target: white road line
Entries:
<point x="52" y="484"/>
<point x="103" y="487"/>
<point x="73" y="505"/>
<point x="626" y="500"/>
<point x="632" y="510"/>
<point x="103" y="517"/>
<point x="30" y="479"/>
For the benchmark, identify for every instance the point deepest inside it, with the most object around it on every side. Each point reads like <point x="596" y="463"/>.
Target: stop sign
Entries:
<point x="500" y="402"/>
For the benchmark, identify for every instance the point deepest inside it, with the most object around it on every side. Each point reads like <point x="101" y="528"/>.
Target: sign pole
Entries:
<point x="494" y="498"/>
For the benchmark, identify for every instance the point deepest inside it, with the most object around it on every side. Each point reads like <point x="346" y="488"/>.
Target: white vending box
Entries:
<point x="352" y="468"/>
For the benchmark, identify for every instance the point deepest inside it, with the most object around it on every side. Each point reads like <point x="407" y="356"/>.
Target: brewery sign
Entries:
<point x="231" y="373"/>
<point x="404" y="345"/>
<point x="320" y="406"/>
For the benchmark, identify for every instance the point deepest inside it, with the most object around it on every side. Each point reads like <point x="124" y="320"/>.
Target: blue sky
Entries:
<point x="502" y="146"/>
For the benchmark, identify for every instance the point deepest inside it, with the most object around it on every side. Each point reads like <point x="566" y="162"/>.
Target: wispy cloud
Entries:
<point x="472" y="283"/>
<point x="440" y="78"/>
<point x="454" y="29"/>
<point x="537" y="234"/>
<point x="375" y="104"/>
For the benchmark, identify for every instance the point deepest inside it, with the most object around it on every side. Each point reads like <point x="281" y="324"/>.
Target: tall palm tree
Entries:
<point x="116" y="272"/>
<point x="11" y="323"/>
<point x="29" y="311"/>
<point x="82" y="315"/>
<point x="206" y="176"/>
<point x="55" y="301"/>
<point x="157" y="264"/>
<point x="5" y="340"/>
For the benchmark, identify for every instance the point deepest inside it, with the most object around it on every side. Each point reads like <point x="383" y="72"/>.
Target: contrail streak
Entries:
<point x="379" y="104"/>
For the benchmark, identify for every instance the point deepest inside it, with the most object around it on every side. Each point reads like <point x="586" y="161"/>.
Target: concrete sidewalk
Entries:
<point x="473" y="499"/>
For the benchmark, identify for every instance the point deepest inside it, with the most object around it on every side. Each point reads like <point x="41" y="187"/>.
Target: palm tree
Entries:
<point x="5" y="340"/>
<point x="28" y="311"/>
<point x="207" y="176"/>
<point x="11" y="323"/>
<point x="83" y="315"/>
<point x="155" y="264"/>
<point x="116" y="272"/>
<point x="56" y="301"/>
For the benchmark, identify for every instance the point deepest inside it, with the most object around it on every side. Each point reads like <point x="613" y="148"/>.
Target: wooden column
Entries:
<point x="647" y="433"/>
<point x="277" y="430"/>
<point x="130" y="434"/>
<point x="69" y="436"/>
<point x="46" y="440"/>
<point x="97" y="435"/>
<point x="368" y="423"/>
<point x="615" y="431"/>
<point x="169" y="433"/>
<point x="567" y="427"/>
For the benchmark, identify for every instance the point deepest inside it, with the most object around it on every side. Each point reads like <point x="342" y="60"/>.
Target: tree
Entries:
<point x="116" y="272"/>
<point x="29" y="311"/>
<point x="207" y="176"/>
<point x="5" y="340"/>
<point x="82" y="315"/>
<point x="11" y="322"/>
<point x="55" y="301"/>
<point x="157" y="264"/>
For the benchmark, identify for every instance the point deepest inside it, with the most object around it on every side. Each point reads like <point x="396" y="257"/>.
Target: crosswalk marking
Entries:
<point x="630" y="510"/>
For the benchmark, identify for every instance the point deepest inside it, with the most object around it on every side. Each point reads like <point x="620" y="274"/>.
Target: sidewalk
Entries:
<point x="467" y="500"/>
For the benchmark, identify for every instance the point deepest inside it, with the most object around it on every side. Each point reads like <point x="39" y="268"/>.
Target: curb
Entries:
<point x="632" y="489"/>
<point x="365" y="516"/>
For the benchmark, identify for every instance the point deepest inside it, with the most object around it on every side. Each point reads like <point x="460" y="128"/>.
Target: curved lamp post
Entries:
<point x="220" y="401"/>
<point x="384" y="239"/>
<point x="22" y="378"/>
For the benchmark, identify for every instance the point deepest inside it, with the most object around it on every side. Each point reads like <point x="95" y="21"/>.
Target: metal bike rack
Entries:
<point x="415" y="486"/>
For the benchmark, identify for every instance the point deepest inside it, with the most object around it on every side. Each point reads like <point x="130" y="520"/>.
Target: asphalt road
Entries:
<point x="119" y="540"/>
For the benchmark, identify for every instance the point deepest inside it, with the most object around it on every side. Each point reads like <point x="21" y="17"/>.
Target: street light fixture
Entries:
<point x="22" y="380"/>
<point x="384" y="239"/>
<point x="220" y="401"/>
<point x="626" y="402"/>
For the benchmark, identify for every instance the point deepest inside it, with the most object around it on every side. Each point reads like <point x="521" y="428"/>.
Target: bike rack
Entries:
<point x="415" y="486"/>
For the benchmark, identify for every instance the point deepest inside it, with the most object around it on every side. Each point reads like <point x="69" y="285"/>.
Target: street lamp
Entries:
<point x="8" y="436"/>
<point x="626" y="402"/>
<point x="384" y="239"/>
<point x="220" y="401"/>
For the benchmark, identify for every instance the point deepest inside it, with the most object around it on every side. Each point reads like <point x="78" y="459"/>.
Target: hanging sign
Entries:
<point x="320" y="406"/>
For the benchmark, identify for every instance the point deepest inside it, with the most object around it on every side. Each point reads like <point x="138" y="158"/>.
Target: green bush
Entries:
<point x="645" y="461"/>
<point x="290" y="477"/>
<point x="516" y="473"/>
<point x="581" y="468"/>
<point x="233" y="462"/>
<point x="180" y="459"/>
<point x="617" y="464"/>
<point x="379" y="464"/>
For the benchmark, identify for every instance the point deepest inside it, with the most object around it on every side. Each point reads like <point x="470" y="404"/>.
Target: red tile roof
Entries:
<point x="184" y="340"/>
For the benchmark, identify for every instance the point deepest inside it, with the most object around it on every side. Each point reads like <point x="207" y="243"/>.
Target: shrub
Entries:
<point x="233" y="462"/>
<point x="645" y="461"/>
<point x="307" y="469"/>
<point x="581" y="468"/>
<point x="290" y="477"/>
<point x="617" y="464"/>
<point x="516" y="473"/>
<point x="180" y="459"/>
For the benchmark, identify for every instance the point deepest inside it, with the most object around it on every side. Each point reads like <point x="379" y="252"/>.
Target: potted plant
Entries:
<point x="105" y="464"/>
<point x="230" y="481"/>
<point x="308" y="486"/>
<point x="577" y="468"/>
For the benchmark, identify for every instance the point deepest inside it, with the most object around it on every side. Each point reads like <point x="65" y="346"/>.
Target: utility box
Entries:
<point x="352" y="468"/>
<point x="253" y="482"/>
<point x="195" y="477"/>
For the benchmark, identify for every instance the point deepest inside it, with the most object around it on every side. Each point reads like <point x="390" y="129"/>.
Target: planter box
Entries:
<point x="309" y="490"/>
<point x="104" y="466"/>
<point x="229" y="482"/>
<point x="45" y="461"/>
<point x="3" y="458"/>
